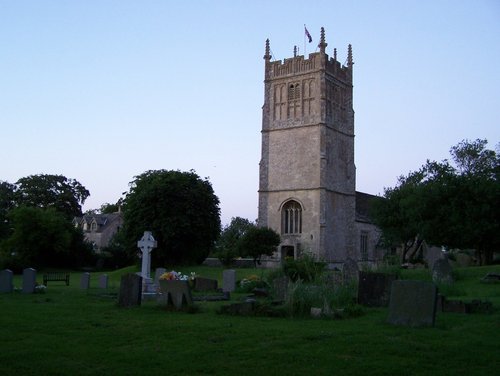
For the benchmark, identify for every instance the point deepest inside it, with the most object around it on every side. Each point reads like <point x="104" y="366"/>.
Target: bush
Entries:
<point x="306" y="268"/>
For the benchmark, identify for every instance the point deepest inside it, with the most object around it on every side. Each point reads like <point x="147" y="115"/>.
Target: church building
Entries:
<point x="307" y="182"/>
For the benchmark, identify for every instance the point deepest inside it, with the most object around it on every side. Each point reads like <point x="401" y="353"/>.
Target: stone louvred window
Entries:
<point x="291" y="218"/>
<point x="293" y="100"/>
<point x="363" y="246"/>
<point x="279" y="102"/>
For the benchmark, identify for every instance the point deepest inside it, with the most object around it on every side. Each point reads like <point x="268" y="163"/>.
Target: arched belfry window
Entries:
<point x="291" y="218"/>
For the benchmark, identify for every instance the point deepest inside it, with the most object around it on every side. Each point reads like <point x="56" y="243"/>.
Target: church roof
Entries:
<point x="364" y="203"/>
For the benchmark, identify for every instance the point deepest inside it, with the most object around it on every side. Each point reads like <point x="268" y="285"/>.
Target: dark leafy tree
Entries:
<point x="179" y="208"/>
<point x="7" y="202"/>
<point x="455" y="206"/>
<point x="259" y="241"/>
<point x="52" y="191"/>
<point x="227" y="246"/>
<point x="42" y="238"/>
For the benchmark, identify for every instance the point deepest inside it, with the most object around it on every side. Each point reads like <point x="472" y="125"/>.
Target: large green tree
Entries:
<point x="227" y="246"/>
<point x="259" y="241"/>
<point x="42" y="238"/>
<point x="7" y="202"/>
<point x="455" y="204"/>
<point x="179" y="208"/>
<point x="52" y="191"/>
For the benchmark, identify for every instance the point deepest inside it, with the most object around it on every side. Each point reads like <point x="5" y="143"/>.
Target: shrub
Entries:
<point x="306" y="268"/>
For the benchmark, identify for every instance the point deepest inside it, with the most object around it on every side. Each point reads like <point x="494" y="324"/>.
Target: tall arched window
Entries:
<point x="291" y="218"/>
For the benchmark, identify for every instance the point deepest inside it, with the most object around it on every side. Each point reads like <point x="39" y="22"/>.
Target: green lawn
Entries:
<point x="68" y="331"/>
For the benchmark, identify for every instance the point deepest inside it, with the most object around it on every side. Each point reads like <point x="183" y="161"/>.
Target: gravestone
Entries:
<point x="103" y="281"/>
<point x="280" y="288"/>
<point x="374" y="289"/>
<point x="441" y="271"/>
<point x="146" y="245"/>
<point x="350" y="271"/>
<point x="205" y="284"/>
<point x="158" y="273"/>
<point x="229" y="280"/>
<point x="6" y="284"/>
<point x="412" y="303"/>
<point x="130" y="293"/>
<point x="85" y="281"/>
<point x="29" y="280"/>
<point x="174" y="292"/>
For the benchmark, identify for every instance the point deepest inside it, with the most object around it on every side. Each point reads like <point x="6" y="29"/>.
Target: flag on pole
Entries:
<point x="307" y="34"/>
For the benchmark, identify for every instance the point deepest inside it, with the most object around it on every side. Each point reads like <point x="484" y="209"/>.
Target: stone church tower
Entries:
<point x="307" y="190"/>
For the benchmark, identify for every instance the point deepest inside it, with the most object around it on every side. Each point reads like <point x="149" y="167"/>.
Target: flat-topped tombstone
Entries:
<point x="85" y="281"/>
<point x="350" y="271"/>
<point x="412" y="303"/>
<point x="280" y="288"/>
<point x="130" y="290"/>
<point x="205" y="284"/>
<point x="6" y="277"/>
<point x="228" y="280"/>
<point x="374" y="289"/>
<point x="103" y="281"/>
<point x="29" y="280"/>
<point x="174" y="292"/>
<point x="442" y="272"/>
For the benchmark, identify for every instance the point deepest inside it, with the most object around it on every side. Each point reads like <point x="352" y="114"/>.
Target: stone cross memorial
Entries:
<point x="146" y="245"/>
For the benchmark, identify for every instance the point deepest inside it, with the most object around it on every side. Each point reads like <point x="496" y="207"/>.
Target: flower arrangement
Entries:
<point x="40" y="289"/>
<point x="176" y="276"/>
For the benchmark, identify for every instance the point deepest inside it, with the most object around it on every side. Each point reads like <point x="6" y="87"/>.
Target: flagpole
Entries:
<point x="305" y="52"/>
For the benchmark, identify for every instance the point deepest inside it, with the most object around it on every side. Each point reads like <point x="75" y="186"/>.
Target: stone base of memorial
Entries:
<point x="174" y="293"/>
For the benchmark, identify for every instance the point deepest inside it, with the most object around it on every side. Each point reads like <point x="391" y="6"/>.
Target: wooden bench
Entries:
<point x="56" y="276"/>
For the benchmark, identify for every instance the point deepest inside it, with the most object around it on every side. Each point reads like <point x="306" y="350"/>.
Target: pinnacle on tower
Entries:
<point x="349" y="56"/>
<point x="322" y="44"/>
<point x="294" y="51"/>
<point x="267" y="55"/>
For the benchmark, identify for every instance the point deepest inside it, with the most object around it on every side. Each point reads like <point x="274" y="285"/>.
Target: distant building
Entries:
<point x="98" y="229"/>
<point x="307" y="183"/>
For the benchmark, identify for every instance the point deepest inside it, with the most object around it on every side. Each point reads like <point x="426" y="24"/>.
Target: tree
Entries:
<point x="179" y="208"/>
<point x="258" y="241"/>
<point x="227" y="246"/>
<point x="52" y="191"/>
<point x="42" y="238"/>
<point x="454" y="206"/>
<point x="7" y="202"/>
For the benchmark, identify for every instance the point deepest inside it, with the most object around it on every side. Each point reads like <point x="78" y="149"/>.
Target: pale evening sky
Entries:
<point x="101" y="91"/>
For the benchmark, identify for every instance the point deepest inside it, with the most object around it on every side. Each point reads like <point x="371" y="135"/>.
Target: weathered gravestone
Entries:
<point x="29" y="280"/>
<point x="103" y="281"/>
<point x="229" y="280"/>
<point x="85" y="281"/>
<point x="374" y="289"/>
<point x="412" y="303"/>
<point x="130" y="290"/>
<point x="205" y="284"/>
<point x="350" y="271"/>
<point x="280" y="288"/>
<point x="158" y="273"/>
<point x="174" y="292"/>
<point x="442" y="272"/>
<point x="6" y="284"/>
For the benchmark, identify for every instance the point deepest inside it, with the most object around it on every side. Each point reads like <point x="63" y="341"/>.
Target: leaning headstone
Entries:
<point x="29" y="280"/>
<point x="280" y="288"/>
<point x="6" y="284"/>
<point x="85" y="281"/>
<point x="374" y="289"/>
<point x="103" y="281"/>
<point x="130" y="290"/>
<point x="350" y="271"/>
<point x="176" y="293"/>
<point x="228" y="280"/>
<point x="441" y="272"/>
<point x="412" y="303"/>
<point x="205" y="284"/>
<point x="158" y="273"/>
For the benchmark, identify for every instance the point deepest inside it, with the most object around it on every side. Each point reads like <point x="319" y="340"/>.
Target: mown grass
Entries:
<point x="83" y="332"/>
